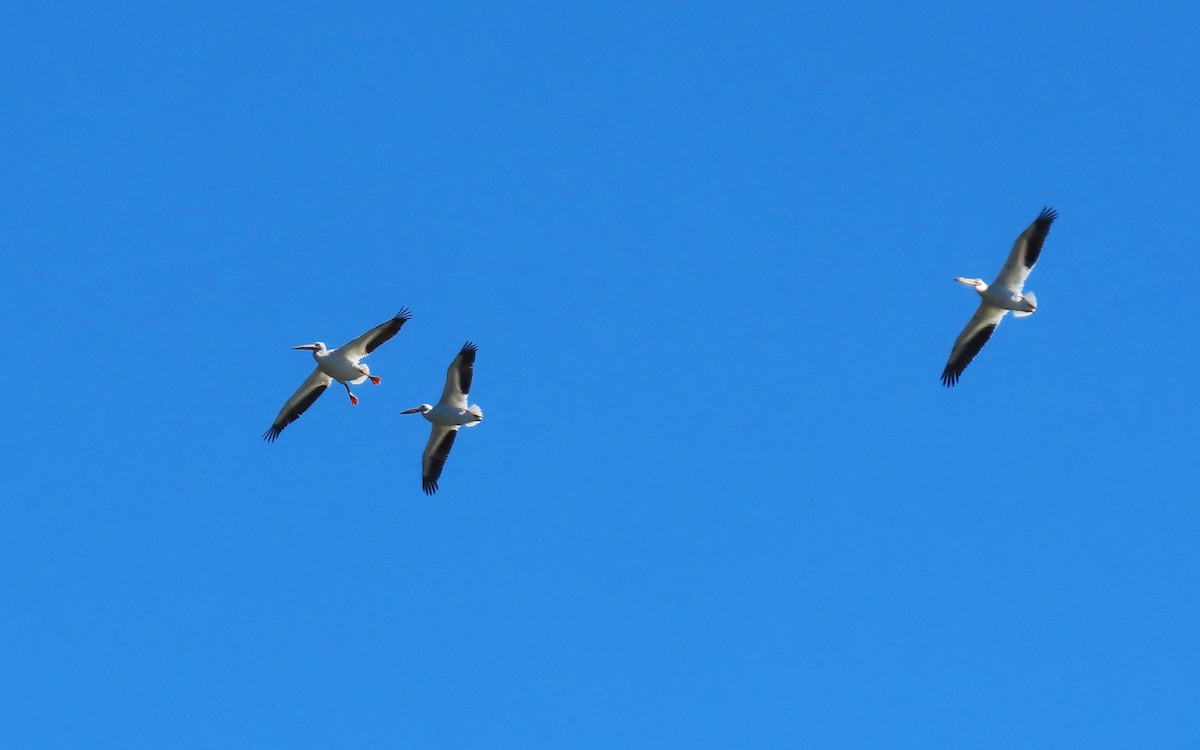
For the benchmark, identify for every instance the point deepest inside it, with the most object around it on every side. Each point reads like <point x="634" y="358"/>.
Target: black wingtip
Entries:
<point x="949" y="378"/>
<point x="272" y="434"/>
<point x="404" y="315"/>
<point x="466" y="361"/>
<point x="429" y="487"/>
<point x="1047" y="215"/>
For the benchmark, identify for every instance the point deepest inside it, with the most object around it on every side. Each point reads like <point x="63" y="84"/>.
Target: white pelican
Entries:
<point x="450" y="413"/>
<point x="1003" y="295"/>
<point x="341" y="364"/>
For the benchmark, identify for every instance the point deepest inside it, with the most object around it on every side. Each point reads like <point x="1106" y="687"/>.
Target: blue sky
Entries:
<point x="720" y="498"/>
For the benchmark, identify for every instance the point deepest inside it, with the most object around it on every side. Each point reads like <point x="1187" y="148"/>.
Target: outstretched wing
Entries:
<point x="1025" y="252"/>
<point x="370" y="341"/>
<point x="308" y="392"/>
<point x="437" y="450"/>
<point x="458" y="377"/>
<point x="971" y="340"/>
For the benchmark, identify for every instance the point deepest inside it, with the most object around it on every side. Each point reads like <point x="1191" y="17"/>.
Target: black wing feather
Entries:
<point x="1037" y="235"/>
<point x="385" y="331"/>
<point x="959" y="361"/>
<point x="283" y="420"/>
<point x="437" y="461"/>
<point x="466" y="367"/>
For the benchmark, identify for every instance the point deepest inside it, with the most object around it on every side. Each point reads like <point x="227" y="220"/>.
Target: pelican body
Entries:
<point x="1004" y="295"/>
<point x="450" y="413"/>
<point x="342" y="364"/>
<point x="339" y="365"/>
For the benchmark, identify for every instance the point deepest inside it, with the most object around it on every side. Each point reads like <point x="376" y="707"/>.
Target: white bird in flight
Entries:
<point x="450" y="413"/>
<point x="341" y="364"/>
<point x="1004" y="294"/>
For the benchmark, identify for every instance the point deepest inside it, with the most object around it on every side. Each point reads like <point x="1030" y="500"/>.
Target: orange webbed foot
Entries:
<point x="374" y="379"/>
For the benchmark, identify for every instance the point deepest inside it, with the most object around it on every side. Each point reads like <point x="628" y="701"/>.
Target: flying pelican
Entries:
<point x="341" y="364"/>
<point x="1003" y="295"/>
<point x="450" y="413"/>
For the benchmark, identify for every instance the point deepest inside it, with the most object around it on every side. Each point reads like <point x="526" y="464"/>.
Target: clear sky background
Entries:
<point x="720" y="498"/>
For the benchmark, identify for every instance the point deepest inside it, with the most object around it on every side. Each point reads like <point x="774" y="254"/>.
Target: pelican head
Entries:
<point x="979" y="284"/>
<point x="422" y="409"/>
<point x="316" y="346"/>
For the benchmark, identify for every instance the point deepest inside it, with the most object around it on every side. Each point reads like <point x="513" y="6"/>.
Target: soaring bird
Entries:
<point x="450" y="413"/>
<point x="341" y="364"/>
<point x="1004" y="294"/>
